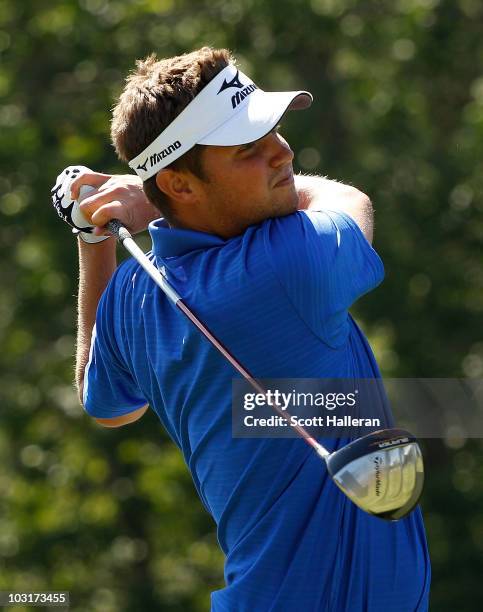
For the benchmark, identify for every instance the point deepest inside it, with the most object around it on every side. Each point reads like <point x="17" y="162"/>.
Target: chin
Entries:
<point x="283" y="212"/>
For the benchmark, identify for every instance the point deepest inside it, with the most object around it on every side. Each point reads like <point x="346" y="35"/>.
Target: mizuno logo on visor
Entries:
<point x="235" y="82"/>
<point x="156" y="157"/>
<point x="241" y="95"/>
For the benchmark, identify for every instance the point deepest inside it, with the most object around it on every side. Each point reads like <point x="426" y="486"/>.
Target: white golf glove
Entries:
<point x="68" y="209"/>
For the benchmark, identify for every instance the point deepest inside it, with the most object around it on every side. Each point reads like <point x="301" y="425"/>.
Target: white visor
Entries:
<point x="229" y="110"/>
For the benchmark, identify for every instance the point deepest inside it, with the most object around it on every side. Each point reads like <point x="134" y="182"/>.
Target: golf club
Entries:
<point x="382" y="472"/>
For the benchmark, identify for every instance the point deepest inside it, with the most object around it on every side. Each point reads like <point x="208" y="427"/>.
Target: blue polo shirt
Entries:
<point x="278" y="297"/>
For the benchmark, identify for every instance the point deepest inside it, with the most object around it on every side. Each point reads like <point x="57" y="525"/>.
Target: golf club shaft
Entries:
<point x="125" y="238"/>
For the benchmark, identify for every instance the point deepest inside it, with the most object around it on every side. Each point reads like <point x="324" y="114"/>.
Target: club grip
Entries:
<point x="118" y="230"/>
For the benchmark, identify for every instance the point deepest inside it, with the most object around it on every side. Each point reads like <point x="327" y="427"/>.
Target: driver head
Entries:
<point x="382" y="472"/>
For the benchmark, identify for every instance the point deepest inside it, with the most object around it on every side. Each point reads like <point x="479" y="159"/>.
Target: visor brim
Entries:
<point x="257" y="118"/>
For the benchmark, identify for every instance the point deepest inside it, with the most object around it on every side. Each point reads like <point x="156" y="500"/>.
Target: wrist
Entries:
<point x="101" y="247"/>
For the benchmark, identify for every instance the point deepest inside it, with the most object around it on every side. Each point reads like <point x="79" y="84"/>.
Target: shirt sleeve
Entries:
<point x="110" y="389"/>
<point x="324" y="264"/>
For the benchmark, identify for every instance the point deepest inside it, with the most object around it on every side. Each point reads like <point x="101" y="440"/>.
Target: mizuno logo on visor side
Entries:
<point x="143" y="166"/>
<point x="156" y="157"/>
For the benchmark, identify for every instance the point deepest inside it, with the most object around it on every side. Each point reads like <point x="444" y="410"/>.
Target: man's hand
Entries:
<point x="115" y="197"/>
<point x="68" y="208"/>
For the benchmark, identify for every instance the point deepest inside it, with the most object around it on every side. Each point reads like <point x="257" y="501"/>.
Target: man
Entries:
<point x="271" y="263"/>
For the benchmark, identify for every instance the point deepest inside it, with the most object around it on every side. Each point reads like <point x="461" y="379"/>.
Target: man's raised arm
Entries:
<point x="319" y="193"/>
<point x="108" y="197"/>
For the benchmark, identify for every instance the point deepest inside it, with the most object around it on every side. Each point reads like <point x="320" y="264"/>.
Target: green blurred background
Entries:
<point x="111" y="515"/>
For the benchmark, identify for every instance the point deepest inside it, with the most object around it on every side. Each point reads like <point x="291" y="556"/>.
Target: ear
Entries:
<point x="178" y="186"/>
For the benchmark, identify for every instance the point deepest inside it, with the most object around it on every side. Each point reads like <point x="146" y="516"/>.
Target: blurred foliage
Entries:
<point x="111" y="515"/>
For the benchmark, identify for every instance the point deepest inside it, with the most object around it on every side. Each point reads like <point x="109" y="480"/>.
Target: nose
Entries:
<point x="280" y="151"/>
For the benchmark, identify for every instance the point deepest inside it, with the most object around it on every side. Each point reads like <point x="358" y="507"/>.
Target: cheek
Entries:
<point x="243" y="182"/>
<point x="254" y="176"/>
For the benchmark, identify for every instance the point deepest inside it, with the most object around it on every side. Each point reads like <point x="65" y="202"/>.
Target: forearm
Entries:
<point x="311" y="190"/>
<point x="319" y="193"/>
<point x="97" y="263"/>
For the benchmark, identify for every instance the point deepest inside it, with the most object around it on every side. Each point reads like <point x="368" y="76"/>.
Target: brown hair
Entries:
<point x="154" y="95"/>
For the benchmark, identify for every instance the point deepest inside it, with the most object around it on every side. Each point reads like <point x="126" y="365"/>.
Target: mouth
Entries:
<point x="285" y="179"/>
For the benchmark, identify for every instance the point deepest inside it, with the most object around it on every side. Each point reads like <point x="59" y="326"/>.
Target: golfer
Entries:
<point x="271" y="262"/>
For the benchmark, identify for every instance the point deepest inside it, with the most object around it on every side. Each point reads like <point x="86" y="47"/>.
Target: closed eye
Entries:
<point x="248" y="145"/>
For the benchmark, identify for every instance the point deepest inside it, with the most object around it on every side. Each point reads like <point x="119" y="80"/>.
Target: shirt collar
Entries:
<point x="172" y="242"/>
